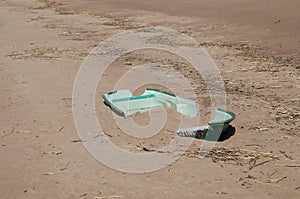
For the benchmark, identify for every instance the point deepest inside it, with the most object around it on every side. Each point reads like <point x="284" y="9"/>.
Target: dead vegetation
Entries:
<point x="55" y="6"/>
<point x="253" y="53"/>
<point x="48" y="53"/>
<point x="237" y="156"/>
<point x="120" y="23"/>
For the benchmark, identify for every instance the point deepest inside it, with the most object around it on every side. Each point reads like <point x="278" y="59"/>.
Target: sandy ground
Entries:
<point x="43" y="44"/>
<point x="273" y="25"/>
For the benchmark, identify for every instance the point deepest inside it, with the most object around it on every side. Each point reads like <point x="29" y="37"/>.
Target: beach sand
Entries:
<point x="254" y="45"/>
<point x="273" y="25"/>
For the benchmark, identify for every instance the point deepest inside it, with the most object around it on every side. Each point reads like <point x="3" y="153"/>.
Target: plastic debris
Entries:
<point x="125" y="104"/>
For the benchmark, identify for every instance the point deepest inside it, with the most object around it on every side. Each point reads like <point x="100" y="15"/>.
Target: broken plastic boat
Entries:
<point x="125" y="104"/>
<point x="213" y="130"/>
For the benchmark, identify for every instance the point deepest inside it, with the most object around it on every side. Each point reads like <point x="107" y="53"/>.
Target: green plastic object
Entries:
<point x="215" y="127"/>
<point x="125" y="104"/>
